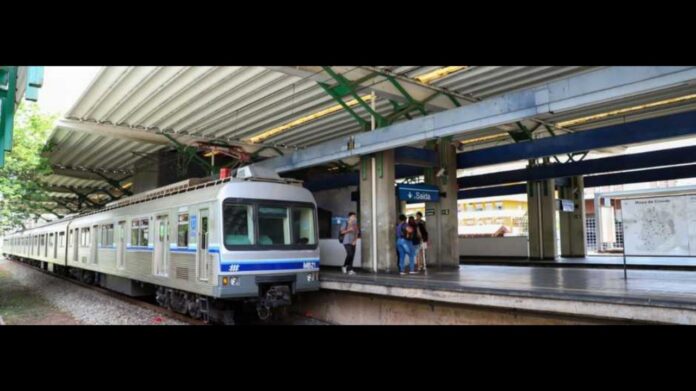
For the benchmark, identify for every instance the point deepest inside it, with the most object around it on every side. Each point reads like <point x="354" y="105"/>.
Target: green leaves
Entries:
<point x="20" y="190"/>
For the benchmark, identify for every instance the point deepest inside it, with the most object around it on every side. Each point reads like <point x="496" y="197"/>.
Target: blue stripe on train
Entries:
<point x="270" y="265"/>
<point x="211" y="250"/>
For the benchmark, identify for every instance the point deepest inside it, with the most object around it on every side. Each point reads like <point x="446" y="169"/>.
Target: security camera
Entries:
<point x="440" y="172"/>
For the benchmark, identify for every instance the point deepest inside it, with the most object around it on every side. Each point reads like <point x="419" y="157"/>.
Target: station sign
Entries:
<point x="418" y="193"/>
<point x="566" y="205"/>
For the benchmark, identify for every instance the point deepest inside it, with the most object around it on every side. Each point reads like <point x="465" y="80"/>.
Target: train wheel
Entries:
<point x="87" y="277"/>
<point x="178" y="302"/>
<point x="193" y="305"/>
<point x="162" y="297"/>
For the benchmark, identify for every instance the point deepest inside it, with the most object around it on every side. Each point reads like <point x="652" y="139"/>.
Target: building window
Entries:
<point x="182" y="230"/>
<point x="139" y="232"/>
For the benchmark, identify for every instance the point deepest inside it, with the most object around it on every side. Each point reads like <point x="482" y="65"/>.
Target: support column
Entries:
<point x="541" y="209"/>
<point x="572" y="224"/>
<point x="443" y="226"/>
<point x="377" y="179"/>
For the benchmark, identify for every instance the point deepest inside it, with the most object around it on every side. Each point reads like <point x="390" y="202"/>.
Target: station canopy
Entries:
<point x="130" y="112"/>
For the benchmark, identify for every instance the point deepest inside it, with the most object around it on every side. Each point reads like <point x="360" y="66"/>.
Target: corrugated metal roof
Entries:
<point x="233" y="103"/>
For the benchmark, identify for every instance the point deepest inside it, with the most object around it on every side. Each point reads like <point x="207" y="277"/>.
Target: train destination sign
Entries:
<point x="418" y="193"/>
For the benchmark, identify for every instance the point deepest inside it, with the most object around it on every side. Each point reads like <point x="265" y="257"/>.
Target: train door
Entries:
<point x="93" y="243"/>
<point x="54" y="244"/>
<point x="76" y="243"/>
<point x="161" y="254"/>
<point x="202" y="258"/>
<point x="121" y="245"/>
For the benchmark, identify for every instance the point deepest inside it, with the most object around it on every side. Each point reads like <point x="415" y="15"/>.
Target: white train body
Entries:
<point x="225" y="240"/>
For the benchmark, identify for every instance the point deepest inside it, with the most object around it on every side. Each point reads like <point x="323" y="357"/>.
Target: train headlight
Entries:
<point x="312" y="277"/>
<point x="225" y="281"/>
<point x="234" y="281"/>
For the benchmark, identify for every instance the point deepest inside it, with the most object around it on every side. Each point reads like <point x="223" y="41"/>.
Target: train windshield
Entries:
<point x="269" y="225"/>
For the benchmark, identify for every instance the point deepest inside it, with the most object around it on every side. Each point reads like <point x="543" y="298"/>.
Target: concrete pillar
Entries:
<point x="441" y="217"/>
<point x="541" y="209"/>
<point x="384" y="209"/>
<point x="572" y="224"/>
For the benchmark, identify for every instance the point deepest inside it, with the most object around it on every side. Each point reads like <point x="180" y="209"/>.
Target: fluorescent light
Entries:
<point x="612" y="113"/>
<point x="438" y="74"/>
<point x="311" y="117"/>
<point x="485" y="138"/>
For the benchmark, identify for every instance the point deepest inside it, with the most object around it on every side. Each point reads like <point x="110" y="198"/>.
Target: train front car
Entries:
<point x="269" y="243"/>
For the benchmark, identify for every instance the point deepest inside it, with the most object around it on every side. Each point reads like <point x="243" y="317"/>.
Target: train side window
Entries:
<point x="70" y="235"/>
<point x="182" y="230"/>
<point x="139" y="232"/>
<point x="50" y="240"/>
<point x="135" y="224"/>
<point x="85" y="237"/>
<point x="144" y="232"/>
<point x="107" y="235"/>
<point x="61" y="239"/>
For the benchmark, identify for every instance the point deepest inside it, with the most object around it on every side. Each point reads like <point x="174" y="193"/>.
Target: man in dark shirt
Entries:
<point x="422" y="232"/>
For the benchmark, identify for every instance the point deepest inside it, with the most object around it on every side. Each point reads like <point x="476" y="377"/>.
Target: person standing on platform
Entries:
<point x="405" y="246"/>
<point x="350" y="232"/>
<point x="415" y="239"/>
<point x="423" y="234"/>
<point x="400" y="228"/>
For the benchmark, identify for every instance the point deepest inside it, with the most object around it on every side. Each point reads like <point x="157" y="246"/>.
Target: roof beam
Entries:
<point x="635" y="161"/>
<point x="119" y="132"/>
<point x="150" y="136"/>
<point x="675" y="125"/>
<point x="380" y="85"/>
<point x="587" y="90"/>
<point x="88" y="173"/>
<point x="619" y="178"/>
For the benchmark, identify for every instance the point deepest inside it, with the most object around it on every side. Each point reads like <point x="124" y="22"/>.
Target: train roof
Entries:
<point x="242" y="175"/>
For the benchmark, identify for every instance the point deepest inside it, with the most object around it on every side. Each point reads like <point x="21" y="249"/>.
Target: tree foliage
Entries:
<point x="20" y="190"/>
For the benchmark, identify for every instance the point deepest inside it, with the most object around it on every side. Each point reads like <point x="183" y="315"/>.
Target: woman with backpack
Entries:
<point x="404" y="245"/>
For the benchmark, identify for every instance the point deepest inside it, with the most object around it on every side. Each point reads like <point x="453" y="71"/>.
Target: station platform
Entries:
<point x="645" y="296"/>
<point x="593" y="261"/>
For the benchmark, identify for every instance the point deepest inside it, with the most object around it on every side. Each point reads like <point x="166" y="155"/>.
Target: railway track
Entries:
<point x="119" y="296"/>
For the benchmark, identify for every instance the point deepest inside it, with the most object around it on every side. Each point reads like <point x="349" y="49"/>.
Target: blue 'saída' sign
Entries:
<point x="418" y="193"/>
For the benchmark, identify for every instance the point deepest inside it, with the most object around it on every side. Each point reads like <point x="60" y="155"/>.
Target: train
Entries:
<point x="202" y="248"/>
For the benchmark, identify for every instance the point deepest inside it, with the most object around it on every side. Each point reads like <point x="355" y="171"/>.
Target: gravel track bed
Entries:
<point x="86" y="306"/>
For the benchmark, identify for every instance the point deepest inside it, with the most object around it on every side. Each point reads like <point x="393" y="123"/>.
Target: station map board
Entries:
<point x="660" y="226"/>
